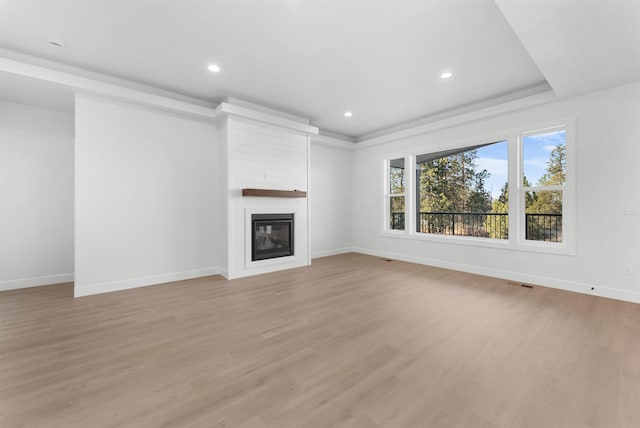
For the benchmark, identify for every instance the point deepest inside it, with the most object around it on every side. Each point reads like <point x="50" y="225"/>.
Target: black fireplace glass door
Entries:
<point x="272" y="236"/>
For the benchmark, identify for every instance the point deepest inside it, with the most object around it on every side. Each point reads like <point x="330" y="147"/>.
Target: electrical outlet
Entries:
<point x="156" y="259"/>
<point x="627" y="269"/>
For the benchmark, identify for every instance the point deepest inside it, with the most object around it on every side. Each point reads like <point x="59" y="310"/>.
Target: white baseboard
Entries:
<point x="106" y="287"/>
<point x="37" y="281"/>
<point x="327" y="253"/>
<point x="243" y="273"/>
<point x="575" y="286"/>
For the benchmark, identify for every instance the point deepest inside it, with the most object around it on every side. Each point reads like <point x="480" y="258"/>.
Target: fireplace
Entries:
<point x="271" y="236"/>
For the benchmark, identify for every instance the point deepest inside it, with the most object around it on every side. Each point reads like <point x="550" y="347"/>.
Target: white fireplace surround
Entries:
<point x="264" y="154"/>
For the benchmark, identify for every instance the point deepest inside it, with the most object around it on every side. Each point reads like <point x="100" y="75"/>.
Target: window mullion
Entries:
<point x="409" y="191"/>
<point x="543" y="188"/>
<point x="515" y="191"/>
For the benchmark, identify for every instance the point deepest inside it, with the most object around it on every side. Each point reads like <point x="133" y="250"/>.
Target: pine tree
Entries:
<point x="556" y="167"/>
<point x="550" y="201"/>
<point x="452" y="184"/>
<point x="497" y="227"/>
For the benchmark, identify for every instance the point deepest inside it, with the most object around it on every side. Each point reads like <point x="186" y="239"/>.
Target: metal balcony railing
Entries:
<point x="543" y="227"/>
<point x="539" y="227"/>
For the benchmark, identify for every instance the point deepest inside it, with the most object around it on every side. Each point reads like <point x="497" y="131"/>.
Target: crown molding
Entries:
<point x="268" y="110"/>
<point x="76" y="80"/>
<point x="100" y="77"/>
<point x="468" y="115"/>
<point x="80" y="84"/>
<point x="226" y="109"/>
<point x="329" y="141"/>
<point x="91" y="83"/>
<point x="457" y="111"/>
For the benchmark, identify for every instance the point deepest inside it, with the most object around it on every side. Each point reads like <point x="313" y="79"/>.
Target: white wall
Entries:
<point x="147" y="196"/>
<point x="608" y="180"/>
<point x="331" y="190"/>
<point x="152" y="186"/>
<point x="36" y="196"/>
<point x="264" y="157"/>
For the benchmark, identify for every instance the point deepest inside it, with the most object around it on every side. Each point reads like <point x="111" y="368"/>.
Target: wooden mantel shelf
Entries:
<point x="272" y="193"/>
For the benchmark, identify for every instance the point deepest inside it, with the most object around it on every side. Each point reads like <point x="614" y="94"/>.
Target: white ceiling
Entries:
<point x="316" y="59"/>
<point x="580" y="45"/>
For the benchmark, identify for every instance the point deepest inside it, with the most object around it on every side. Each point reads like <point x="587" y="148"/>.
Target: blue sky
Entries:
<point x="537" y="149"/>
<point x="494" y="158"/>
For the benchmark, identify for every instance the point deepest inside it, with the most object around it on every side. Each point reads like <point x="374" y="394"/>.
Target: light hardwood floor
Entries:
<point x="351" y="341"/>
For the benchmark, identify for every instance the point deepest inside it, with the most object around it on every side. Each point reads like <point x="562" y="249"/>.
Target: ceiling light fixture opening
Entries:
<point x="214" y="68"/>
<point x="446" y="75"/>
<point x="348" y="114"/>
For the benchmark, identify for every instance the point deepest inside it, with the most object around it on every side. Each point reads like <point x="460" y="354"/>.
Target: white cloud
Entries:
<point x="494" y="166"/>
<point x="554" y="138"/>
<point x="536" y="162"/>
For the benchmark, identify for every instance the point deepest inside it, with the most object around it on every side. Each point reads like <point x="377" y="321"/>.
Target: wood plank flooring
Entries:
<point x="352" y="341"/>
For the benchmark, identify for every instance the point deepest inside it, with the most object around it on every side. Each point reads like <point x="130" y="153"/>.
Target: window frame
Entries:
<point x="388" y="195"/>
<point x="567" y="246"/>
<point x="516" y="239"/>
<point x="461" y="237"/>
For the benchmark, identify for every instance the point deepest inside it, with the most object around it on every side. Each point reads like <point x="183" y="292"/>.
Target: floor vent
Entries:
<point x="520" y="284"/>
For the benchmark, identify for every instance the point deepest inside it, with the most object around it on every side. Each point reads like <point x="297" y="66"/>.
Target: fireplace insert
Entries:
<point x="271" y="236"/>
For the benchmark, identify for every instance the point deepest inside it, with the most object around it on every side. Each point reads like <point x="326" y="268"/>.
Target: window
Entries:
<point x="395" y="198"/>
<point x="464" y="192"/>
<point x="543" y="181"/>
<point x="514" y="192"/>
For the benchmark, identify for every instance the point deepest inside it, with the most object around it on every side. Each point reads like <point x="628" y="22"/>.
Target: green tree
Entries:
<point x="546" y="227"/>
<point x="556" y="167"/>
<point x="397" y="205"/>
<point x="448" y="185"/>
<point x="479" y="199"/>
<point x="497" y="227"/>
<point x="453" y="184"/>
<point x="396" y="180"/>
<point x="550" y="201"/>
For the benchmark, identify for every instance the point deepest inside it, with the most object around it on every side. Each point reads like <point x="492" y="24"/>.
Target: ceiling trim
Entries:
<point x="337" y="136"/>
<point x="100" y="77"/>
<point x="225" y="109"/>
<point x="89" y="86"/>
<point x="511" y="96"/>
<point x="258" y="107"/>
<point x="325" y="140"/>
<point x="96" y="87"/>
<point x="459" y="119"/>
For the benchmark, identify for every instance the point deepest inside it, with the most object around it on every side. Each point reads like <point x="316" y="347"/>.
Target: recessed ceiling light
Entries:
<point x="214" y="68"/>
<point x="348" y="114"/>
<point x="56" y="43"/>
<point x="446" y="75"/>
